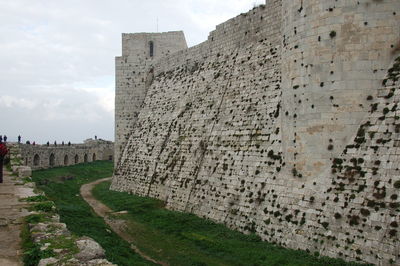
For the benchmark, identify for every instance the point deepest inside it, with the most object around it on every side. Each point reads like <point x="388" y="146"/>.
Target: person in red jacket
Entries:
<point x="3" y="152"/>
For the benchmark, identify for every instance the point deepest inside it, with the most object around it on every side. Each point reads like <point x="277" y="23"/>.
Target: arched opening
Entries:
<point x="52" y="160"/>
<point x="151" y="47"/>
<point x="36" y="160"/>
<point x="76" y="158"/>
<point x="110" y="158"/>
<point x="66" y="160"/>
<point x="26" y="161"/>
<point x="85" y="158"/>
<point x="94" y="157"/>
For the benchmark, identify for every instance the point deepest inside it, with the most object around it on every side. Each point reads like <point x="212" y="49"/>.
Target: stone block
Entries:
<point x="24" y="171"/>
<point x="89" y="250"/>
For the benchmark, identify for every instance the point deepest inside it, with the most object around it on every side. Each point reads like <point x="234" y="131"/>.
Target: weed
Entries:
<point x="37" y="198"/>
<point x="32" y="253"/>
<point x="47" y="206"/>
<point x="37" y="218"/>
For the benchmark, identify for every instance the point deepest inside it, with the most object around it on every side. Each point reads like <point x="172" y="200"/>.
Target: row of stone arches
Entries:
<point x="52" y="159"/>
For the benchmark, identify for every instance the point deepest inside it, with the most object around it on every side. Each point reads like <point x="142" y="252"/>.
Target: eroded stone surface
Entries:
<point x="47" y="261"/>
<point x="24" y="171"/>
<point x="249" y="127"/>
<point x="89" y="250"/>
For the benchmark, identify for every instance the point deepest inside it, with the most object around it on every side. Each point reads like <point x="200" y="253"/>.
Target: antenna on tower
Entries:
<point x="157" y="24"/>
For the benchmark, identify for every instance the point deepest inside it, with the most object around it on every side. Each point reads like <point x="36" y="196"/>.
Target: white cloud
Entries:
<point x="104" y="97"/>
<point x="107" y="103"/>
<point x="13" y="102"/>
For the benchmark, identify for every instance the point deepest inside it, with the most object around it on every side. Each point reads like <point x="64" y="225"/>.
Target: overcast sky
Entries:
<point x="57" y="58"/>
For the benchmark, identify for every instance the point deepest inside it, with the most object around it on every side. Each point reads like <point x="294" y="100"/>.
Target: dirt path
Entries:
<point x="11" y="213"/>
<point x="117" y="225"/>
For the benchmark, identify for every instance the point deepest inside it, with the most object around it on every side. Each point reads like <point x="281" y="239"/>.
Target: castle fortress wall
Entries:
<point x="244" y="29"/>
<point x="43" y="156"/>
<point x="259" y="128"/>
<point x="335" y="54"/>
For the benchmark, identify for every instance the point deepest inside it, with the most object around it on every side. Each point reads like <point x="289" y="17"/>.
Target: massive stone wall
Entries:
<point x="334" y="54"/>
<point x="43" y="156"/>
<point x="275" y="125"/>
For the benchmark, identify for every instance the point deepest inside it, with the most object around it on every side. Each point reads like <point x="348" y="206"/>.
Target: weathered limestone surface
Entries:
<point x="43" y="156"/>
<point x="275" y="125"/>
<point x="134" y="74"/>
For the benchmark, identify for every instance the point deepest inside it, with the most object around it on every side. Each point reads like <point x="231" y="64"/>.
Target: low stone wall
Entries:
<point x="43" y="156"/>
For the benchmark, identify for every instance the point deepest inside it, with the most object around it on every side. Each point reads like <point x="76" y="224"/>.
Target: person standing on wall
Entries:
<point x="19" y="138"/>
<point x="3" y="152"/>
<point x="5" y="138"/>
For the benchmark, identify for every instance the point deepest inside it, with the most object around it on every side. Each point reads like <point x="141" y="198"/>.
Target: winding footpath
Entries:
<point x="119" y="226"/>
<point x="12" y="210"/>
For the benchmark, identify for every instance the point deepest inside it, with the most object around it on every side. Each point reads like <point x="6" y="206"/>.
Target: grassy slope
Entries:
<point x="184" y="239"/>
<point x="77" y="214"/>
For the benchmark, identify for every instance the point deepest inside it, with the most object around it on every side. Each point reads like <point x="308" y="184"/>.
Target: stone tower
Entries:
<point x="134" y="73"/>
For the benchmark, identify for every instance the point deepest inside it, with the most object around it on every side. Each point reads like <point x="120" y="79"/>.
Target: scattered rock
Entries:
<point x="45" y="246"/>
<point x="24" y="171"/>
<point x="30" y="185"/>
<point x="39" y="227"/>
<point x="48" y="261"/>
<point x="100" y="262"/>
<point x="89" y="250"/>
<point x="121" y="212"/>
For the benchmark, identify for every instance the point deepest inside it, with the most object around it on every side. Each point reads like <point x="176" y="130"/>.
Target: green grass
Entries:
<point x="77" y="214"/>
<point x="173" y="237"/>
<point x="185" y="239"/>
<point x="32" y="254"/>
<point x="47" y="206"/>
<point x="38" y="198"/>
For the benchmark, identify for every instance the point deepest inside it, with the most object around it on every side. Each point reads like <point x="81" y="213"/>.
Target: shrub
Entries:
<point x="43" y="206"/>
<point x="38" y="198"/>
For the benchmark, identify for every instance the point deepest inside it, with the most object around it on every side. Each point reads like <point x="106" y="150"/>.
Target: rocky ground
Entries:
<point x="12" y="211"/>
